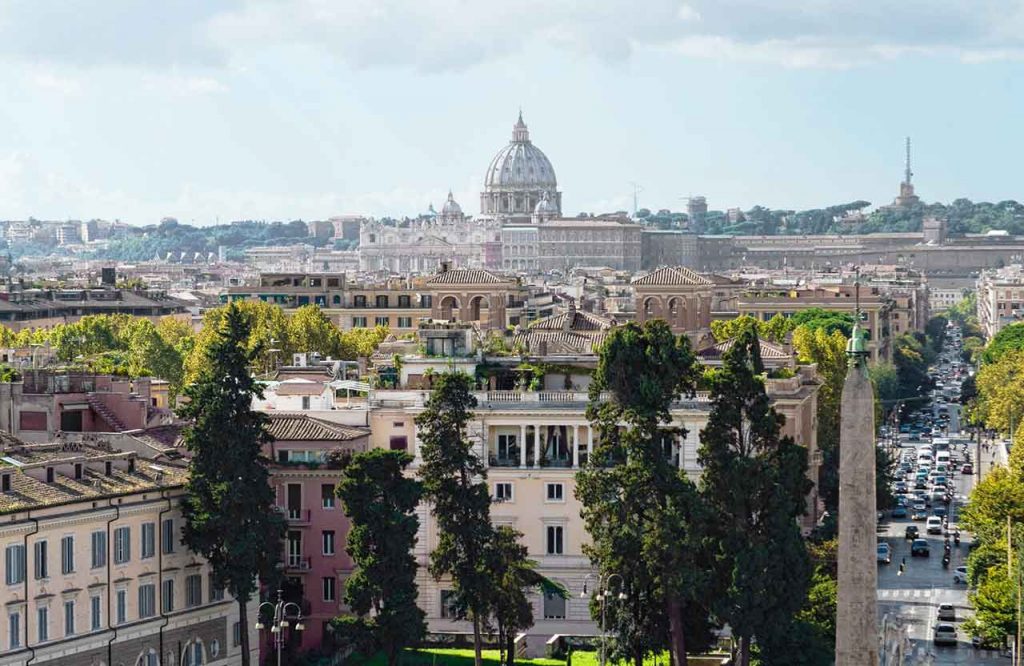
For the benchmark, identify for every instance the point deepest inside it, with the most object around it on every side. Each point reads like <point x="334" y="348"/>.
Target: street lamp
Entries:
<point x="281" y="613"/>
<point x="603" y="593"/>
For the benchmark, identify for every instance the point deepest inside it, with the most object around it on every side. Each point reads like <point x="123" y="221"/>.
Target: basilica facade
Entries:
<point x="520" y="228"/>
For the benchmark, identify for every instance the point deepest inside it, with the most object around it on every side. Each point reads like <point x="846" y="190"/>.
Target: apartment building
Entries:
<point x="307" y="455"/>
<point x="684" y="298"/>
<point x="22" y="307"/>
<point x="95" y="571"/>
<point x="1000" y="298"/>
<point x="533" y="442"/>
<point x="765" y="302"/>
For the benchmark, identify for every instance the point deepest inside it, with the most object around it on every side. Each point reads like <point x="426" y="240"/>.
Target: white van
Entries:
<point x="942" y="458"/>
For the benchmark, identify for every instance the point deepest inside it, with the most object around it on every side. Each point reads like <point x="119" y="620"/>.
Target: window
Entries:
<point x="449" y="610"/>
<point x="122" y="606"/>
<point x="193" y="590"/>
<point x="99" y="549"/>
<point x="403" y="301"/>
<point x="14" y="564"/>
<point x="122" y="545"/>
<point x="78" y="471"/>
<point x="327" y="495"/>
<point x="554" y="606"/>
<point x="381" y="321"/>
<point x="148" y="547"/>
<point x="43" y="624"/>
<point x="358" y="322"/>
<point x="305" y="402"/>
<point x="69" y="618"/>
<point x="399" y="443"/>
<point x="555" y="492"/>
<point x="167" y="596"/>
<point x="147" y="600"/>
<point x="42" y="568"/>
<point x="216" y="593"/>
<point x="405" y="322"/>
<point x="193" y="654"/>
<point x="328" y="587"/>
<point x="167" y="538"/>
<point x="328" y="542"/>
<point x="148" y="658"/>
<point x="214" y="648"/>
<point x="95" y="613"/>
<point x="359" y="300"/>
<point x="503" y="491"/>
<point x="5" y="483"/>
<point x="382" y="301"/>
<point x="14" y="630"/>
<point x="67" y="555"/>
<point x="49" y="475"/>
<point x="554" y="541"/>
<point x="426" y="301"/>
<point x="236" y="634"/>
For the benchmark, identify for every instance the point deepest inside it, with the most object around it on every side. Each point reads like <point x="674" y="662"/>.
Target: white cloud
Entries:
<point x="182" y="85"/>
<point x="434" y="35"/>
<point x="62" y="84"/>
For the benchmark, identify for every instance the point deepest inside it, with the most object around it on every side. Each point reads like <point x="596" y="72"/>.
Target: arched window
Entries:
<point x="192" y="655"/>
<point x="148" y="658"/>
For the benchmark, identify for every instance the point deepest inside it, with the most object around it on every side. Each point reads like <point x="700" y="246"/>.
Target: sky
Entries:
<point x="215" y="110"/>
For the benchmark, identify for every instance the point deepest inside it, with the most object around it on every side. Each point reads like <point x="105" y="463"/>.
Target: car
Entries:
<point x="920" y="547"/>
<point x="967" y="469"/>
<point x="920" y="484"/>
<point x="939" y="511"/>
<point x="899" y="512"/>
<point x="884" y="553"/>
<point x="945" y="634"/>
<point x="934" y="525"/>
<point x="960" y="575"/>
<point x="919" y="515"/>
<point x="911" y="532"/>
<point x="947" y="613"/>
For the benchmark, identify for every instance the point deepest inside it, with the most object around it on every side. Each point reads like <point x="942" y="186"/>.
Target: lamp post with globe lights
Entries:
<point x="281" y="613"/>
<point x="604" y="584"/>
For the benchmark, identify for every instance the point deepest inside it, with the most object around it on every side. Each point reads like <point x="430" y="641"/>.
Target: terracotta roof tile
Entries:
<point x="303" y="427"/>
<point x="466" y="276"/>
<point x="673" y="276"/>
<point x="580" y="321"/>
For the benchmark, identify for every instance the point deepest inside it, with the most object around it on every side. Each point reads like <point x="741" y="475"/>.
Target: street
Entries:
<point x="914" y="597"/>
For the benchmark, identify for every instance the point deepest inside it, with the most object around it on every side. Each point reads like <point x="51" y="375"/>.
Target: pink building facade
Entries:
<point x="307" y="454"/>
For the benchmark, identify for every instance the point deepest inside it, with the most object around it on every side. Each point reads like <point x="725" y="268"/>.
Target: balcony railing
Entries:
<point x="297" y="563"/>
<point x="297" y="516"/>
<point x="418" y="398"/>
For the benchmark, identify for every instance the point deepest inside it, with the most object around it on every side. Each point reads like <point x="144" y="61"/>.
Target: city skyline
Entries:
<point x="256" y="110"/>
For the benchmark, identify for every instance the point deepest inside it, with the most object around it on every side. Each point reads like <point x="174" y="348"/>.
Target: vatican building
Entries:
<point x="520" y="228"/>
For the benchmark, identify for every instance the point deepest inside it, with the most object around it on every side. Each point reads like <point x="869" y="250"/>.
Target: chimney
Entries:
<point x="570" y="315"/>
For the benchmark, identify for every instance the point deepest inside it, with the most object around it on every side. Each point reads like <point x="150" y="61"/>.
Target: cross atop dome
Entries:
<point x="519" y="132"/>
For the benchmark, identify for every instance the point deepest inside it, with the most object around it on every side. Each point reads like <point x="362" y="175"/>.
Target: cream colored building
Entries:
<point x="95" y="573"/>
<point x="533" y="443"/>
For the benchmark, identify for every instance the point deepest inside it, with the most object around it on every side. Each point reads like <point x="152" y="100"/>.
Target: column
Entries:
<point x="590" y="442"/>
<point x="682" y="448"/>
<point x="575" y="447"/>
<point x="522" y="446"/>
<point x="536" y="446"/>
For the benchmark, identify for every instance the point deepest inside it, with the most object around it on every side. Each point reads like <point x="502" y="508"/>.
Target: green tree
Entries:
<point x="513" y="574"/>
<point x="454" y="482"/>
<point x="644" y="516"/>
<point x="829" y="320"/>
<point x="228" y="506"/>
<point x="1010" y="338"/>
<point x="754" y="480"/>
<point x="828" y="352"/>
<point x="380" y="501"/>
<point x="1000" y="387"/>
<point x="268" y="329"/>
<point x="310" y="330"/>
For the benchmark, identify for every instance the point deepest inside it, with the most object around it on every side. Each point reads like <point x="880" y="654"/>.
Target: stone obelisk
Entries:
<point x="856" y="611"/>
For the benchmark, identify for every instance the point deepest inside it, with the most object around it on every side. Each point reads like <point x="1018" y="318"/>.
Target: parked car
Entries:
<point x="947" y="613"/>
<point x="884" y="553"/>
<point x="920" y="547"/>
<point x="960" y="575"/>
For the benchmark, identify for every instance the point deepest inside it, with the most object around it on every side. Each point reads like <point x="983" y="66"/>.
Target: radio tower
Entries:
<point x="908" y="172"/>
<point x="907" y="197"/>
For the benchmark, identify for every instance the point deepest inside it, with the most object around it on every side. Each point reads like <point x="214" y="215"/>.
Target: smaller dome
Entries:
<point x="451" y="208"/>
<point x="545" y="206"/>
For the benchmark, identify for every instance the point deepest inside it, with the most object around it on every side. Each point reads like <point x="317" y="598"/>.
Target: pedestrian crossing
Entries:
<point x="906" y="593"/>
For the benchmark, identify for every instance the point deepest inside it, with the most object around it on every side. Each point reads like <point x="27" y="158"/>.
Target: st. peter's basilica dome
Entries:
<point x="518" y="178"/>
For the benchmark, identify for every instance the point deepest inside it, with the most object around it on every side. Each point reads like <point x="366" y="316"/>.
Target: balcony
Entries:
<point x="297" y="564"/>
<point x="496" y="461"/>
<point x="297" y="516"/>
